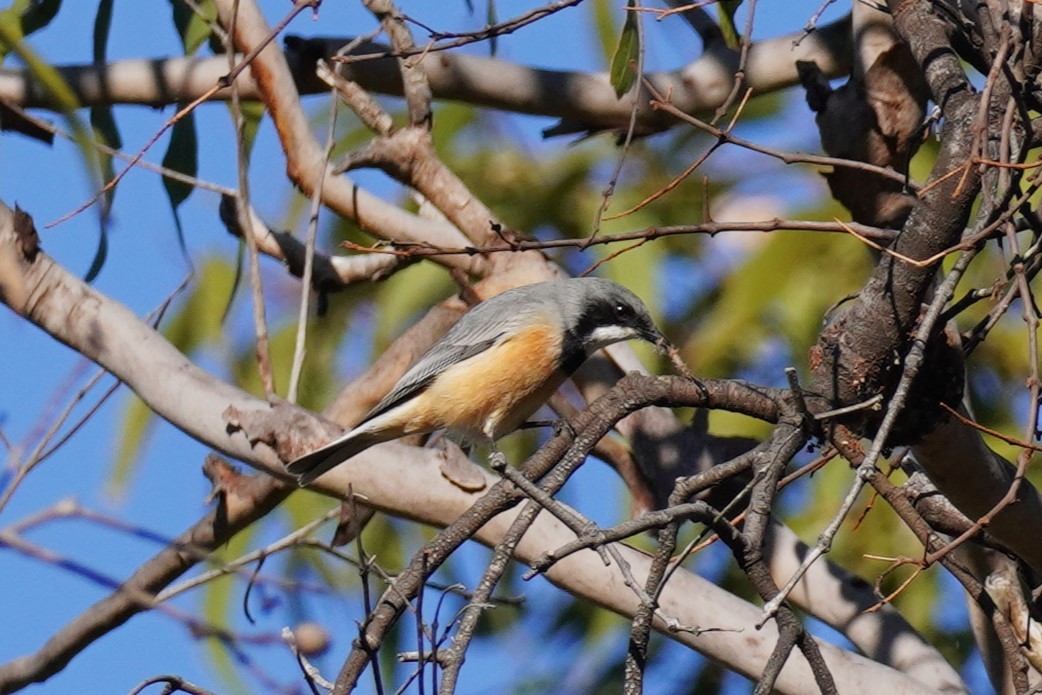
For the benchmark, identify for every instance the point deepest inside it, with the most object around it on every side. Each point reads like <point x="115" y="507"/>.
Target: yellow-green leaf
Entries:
<point x="193" y="26"/>
<point x="137" y="425"/>
<point x="604" y="25"/>
<point x="623" y="72"/>
<point x="252" y="113"/>
<point x="24" y="17"/>
<point x="725" y="10"/>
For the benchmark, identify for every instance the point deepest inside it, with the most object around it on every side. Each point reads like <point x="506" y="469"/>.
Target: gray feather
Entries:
<point x="314" y="464"/>
<point x="420" y="376"/>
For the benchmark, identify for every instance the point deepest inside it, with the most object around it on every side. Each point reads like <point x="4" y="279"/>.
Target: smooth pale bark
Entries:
<point x="586" y="100"/>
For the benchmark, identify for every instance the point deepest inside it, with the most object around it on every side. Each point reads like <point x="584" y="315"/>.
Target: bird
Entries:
<point x="496" y="366"/>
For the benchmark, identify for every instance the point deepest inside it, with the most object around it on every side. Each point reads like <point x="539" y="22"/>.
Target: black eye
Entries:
<point x="622" y="311"/>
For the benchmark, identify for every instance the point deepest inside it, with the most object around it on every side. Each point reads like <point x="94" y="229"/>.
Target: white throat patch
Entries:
<point x="603" y="336"/>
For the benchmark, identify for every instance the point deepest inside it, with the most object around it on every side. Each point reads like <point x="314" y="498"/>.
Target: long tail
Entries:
<point x="314" y="464"/>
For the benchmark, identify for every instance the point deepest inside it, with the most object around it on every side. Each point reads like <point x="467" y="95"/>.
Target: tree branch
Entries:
<point x="582" y="101"/>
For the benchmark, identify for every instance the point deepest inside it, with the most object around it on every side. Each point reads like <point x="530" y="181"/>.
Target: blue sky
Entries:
<point x="167" y="492"/>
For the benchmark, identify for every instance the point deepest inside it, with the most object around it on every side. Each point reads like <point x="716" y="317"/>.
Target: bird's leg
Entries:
<point x="536" y="424"/>
<point x="497" y="461"/>
<point x="559" y="425"/>
<point x="563" y="425"/>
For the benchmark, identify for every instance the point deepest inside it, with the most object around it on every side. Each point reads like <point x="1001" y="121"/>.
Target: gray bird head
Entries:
<point x="599" y="312"/>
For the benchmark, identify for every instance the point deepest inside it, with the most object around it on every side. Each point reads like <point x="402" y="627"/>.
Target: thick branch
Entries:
<point x="582" y="100"/>
<point x="305" y="158"/>
<point x="853" y="360"/>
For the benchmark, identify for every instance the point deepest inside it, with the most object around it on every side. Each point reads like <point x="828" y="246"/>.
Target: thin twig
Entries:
<point x="299" y="349"/>
<point x="443" y="41"/>
<point x="631" y="128"/>
<point x="242" y="201"/>
<point x="710" y="227"/>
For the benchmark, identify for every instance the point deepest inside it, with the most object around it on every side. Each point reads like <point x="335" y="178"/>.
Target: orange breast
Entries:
<point x="492" y="393"/>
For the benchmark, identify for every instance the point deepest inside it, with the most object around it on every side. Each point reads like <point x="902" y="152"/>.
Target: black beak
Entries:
<point x="655" y="337"/>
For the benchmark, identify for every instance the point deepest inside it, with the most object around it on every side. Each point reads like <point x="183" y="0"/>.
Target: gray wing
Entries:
<point x="487" y="324"/>
<point x="416" y="380"/>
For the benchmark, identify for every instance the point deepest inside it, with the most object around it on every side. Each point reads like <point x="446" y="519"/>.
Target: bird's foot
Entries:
<point x="497" y="461"/>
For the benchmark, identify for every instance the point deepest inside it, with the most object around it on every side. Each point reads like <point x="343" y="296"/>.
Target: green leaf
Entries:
<point x="240" y="266"/>
<point x="725" y="10"/>
<point x="101" y="118"/>
<point x="62" y="98"/>
<point x="397" y="308"/>
<point x="182" y="155"/>
<point x="38" y="14"/>
<point x="199" y="321"/>
<point x="623" y="73"/>
<point x="24" y="17"/>
<point x="221" y="604"/>
<point x="194" y="28"/>
<point x="102" y="26"/>
<point x="105" y="130"/>
<point x="133" y="432"/>
<point x="604" y="25"/>
<point x="100" y="255"/>
<point x="252" y="112"/>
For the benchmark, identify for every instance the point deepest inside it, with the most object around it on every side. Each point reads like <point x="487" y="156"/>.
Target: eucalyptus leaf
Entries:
<point x="725" y="10"/>
<point x="193" y="27"/>
<point x="38" y="14"/>
<point x="182" y="155"/>
<point x="603" y="18"/>
<point x="23" y="18"/>
<point x="623" y="73"/>
<point x="101" y="118"/>
<point x="252" y="112"/>
<point x="100" y="256"/>
<point x="102" y="28"/>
